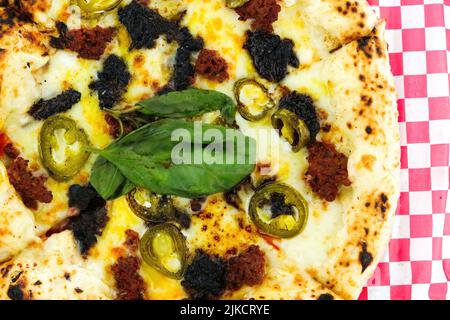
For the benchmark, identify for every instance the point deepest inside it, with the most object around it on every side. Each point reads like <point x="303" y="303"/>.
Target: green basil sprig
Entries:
<point x="144" y="159"/>
<point x="189" y="103"/>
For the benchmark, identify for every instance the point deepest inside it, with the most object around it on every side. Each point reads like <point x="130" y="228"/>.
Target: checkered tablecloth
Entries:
<point x="417" y="264"/>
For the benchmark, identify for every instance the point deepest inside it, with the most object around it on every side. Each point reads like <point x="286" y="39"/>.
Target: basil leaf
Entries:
<point x="189" y="103"/>
<point x="144" y="158"/>
<point x="109" y="182"/>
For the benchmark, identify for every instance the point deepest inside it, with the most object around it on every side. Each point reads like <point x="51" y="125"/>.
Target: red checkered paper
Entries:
<point x="417" y="263"/>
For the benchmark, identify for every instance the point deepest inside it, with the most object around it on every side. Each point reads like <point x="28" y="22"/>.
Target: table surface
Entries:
<point x="417" y="263"/>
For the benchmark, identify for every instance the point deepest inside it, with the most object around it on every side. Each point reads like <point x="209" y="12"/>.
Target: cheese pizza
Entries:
<point x="199" y="149"/>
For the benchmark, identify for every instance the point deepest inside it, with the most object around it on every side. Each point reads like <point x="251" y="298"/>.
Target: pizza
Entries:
<point x="288" y="192"/>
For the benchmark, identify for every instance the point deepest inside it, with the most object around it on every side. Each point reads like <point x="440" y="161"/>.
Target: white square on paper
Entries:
<point x="421" y="249"/>
<point x="420" y="291"/>
<point x="414" y="62"/>
<point x="446" y="247"/>
<point x="439" y="131"/>
<point x="379" y="293"/>
<point x="394" y="39"/>
<point x="400" y="228"/>
<point x="435" y="38"/>
<point x="439" y="178"/>
<point x="438" y="224"/>
<point x="413" y="17"/>
<point x="437" y="272"/>
<point x="416" y="109"/>
<point x="419" y="155"/>
<point x="400" y="273"/>
<point x="437" y="85"/>
<point x="420" y="202"/>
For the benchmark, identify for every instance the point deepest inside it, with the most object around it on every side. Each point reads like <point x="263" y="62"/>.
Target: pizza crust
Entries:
<point x="53" y="270"/>
<point x="361" y="110"/>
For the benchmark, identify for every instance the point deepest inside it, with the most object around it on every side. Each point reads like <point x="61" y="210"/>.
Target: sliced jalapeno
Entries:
<point x="61" y="150"/>
<point x="150" y="206"/>
<point x="164" y="248"/>
<point x="236" y="3"/>
<point x="278" y="210"/>
<point x="291" y="128"/>
<point x="254" y="102"/>
<point x="97" y="6"/>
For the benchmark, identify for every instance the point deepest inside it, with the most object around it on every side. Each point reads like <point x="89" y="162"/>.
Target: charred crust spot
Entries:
<point x="112" y="81"/>
<point x="129" y="283"/>
<point x="303" y="106"/>
<point x="263" y="13"/>
<point x="91" y="220"/>
<point x="271" y="55"/>
<point x="365" y="257"/>
<point x="145" y="25"/>
<point x="15" y="292"/>
<point x="78" y="290"/>
<point x="44" y="109"/>
<point x="327" y="170"/>
<point x="88" y="43"/>
<point x="205" y="276"/>
<point x="37" y="283"/>
<point x="368" y="130"/>
<point x="325" y="296"/>
<point x="248" y="268"/>
<point x="31" y="188"/>
<point x="212" y="66"/>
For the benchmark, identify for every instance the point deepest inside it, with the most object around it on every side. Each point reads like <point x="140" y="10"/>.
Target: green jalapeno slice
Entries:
<point x="164" y="248"/>
<point x="97" y="6"/>
<point x="61" y="147"/>
<point x="254" y="102"/>
<point x="291" y="128"/>
<point x="150" y="206"/>
<point x="278" y="210"/>
<point x="235" y="3"/>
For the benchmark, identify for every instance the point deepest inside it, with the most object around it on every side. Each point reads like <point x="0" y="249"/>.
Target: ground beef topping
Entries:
<point x="11" y="151"/>
<point x="92" y="218"/>
<point x="31" y="188"/>
<point x="44" y="109"/>
<point x="263" y="13"/>
<point x="327" y="170"/>
<point x="303" y="106"/>
<point x="112" y="81"/>
<point x="248" y="268"/>
<point x="129" y="283"/>
<point x="271" y="55"/>
<point x="183" y="70"/>
<point x="212" y="66"/>
<point x="145" y="25"/>
<point x="88" y="43"/>
<point x="205" y="276"/>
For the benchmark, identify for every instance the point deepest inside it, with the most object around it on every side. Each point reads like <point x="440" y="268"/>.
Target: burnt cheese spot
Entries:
<point x="303" y="106"/>
<point x="271" y="55"/>
<point x="205" y="276"/>
<point x="365" y="257"/>
<point x="91" y="220"/>
<point x="112" y="81"/>
<point x="43" y="109"/>
<point x="145" y="25"/>
<point x="15" y="292"/>
<point x="325" y="296"/>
